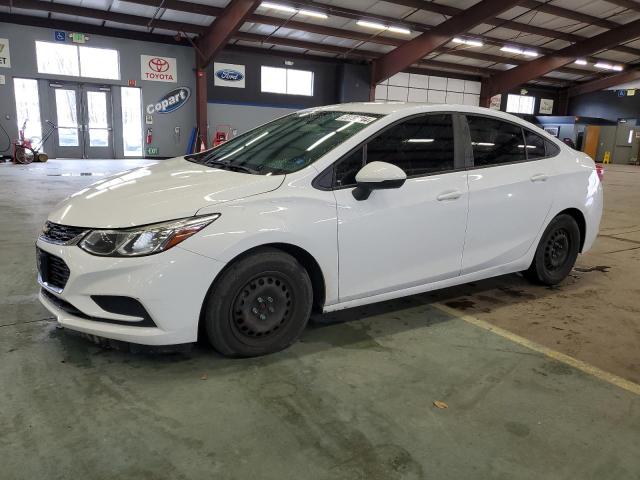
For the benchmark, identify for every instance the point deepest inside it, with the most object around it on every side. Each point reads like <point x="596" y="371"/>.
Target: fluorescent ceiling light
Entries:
<point x="483" y="144"/>
<point x="580" y="61"/>
<point x="311" y="13"/>
<point x="420" y="140"/>
<point x="380" y="26"/>
<point x="608" y="66"/>
<point x="365" y="23"/>
<point x="530" y="53"/>
<point x="404" y="31"/>
<point x="277" y="6"/>
<point x="511" y="50"/>
<point x="466" y="41"/>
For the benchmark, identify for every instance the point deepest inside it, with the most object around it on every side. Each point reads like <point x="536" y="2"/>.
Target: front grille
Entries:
<point x="56" y="233"/>
<point x="53" y="271"/>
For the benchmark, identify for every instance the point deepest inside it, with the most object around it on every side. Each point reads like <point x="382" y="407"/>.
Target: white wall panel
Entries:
<point x="472" y="87"/>
<point x="437" y="83"/>
<point x="381" y="92"/>
<point x="418" y="81"/>
<point x="455" y="85"/>
<point x="436" y="96"/>
<point x="455" y="97"/>
<point x="398" y="94"/>
<point x="471" y="99"/>
<point x="417" y="95"/>
<point x="400" y="80"/>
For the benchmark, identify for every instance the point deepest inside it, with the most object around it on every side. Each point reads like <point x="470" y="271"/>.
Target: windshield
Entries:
<point x="285" y="145"/>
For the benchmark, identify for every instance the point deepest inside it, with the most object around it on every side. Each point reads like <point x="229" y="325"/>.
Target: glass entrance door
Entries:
<point x="84" y="117"/>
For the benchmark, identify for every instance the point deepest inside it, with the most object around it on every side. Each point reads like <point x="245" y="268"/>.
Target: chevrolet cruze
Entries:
<point x="324" y="209"/>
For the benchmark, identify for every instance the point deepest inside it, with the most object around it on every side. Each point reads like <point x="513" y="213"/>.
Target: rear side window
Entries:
<point x="419" y="145"/>
<point x="495" y="142"/>
<point x="535" y="145"/>
<point x="552" y="149"/>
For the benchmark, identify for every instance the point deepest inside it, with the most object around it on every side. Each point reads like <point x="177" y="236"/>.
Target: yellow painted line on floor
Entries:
<point x="555" y="355"/>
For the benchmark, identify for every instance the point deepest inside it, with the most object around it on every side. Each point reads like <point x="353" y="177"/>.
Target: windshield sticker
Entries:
<point x="356" y="119"/>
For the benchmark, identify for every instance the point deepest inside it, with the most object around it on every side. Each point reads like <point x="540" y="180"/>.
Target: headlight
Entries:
<point x="146" y="240"/>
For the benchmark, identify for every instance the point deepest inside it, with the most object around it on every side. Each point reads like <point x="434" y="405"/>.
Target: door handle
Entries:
<point x="539" y="177"/>
<point x="449" y="195"/>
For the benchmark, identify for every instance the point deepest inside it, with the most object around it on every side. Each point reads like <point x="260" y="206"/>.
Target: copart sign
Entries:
<point x="5" y="56"/>
<point x="158" y="69"/>
<point x="170" y="102"/>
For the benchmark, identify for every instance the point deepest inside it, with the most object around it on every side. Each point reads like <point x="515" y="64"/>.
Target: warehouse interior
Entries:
<point x="493" y="379"/>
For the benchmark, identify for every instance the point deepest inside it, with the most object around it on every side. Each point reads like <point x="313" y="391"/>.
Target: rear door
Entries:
<point x="408" y="236"/>
<point x="511" y="187"/>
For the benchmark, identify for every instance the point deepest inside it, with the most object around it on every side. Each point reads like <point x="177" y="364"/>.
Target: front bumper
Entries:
<point x="171" y="286"/>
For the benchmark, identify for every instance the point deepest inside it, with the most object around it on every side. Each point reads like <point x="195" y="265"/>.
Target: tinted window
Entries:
<point x="552" y="149"/>
<point x="495" y="142"/>
<point x="419" y="146"/>
<point x="347" y="168"/>
<point x="535" y="145"/>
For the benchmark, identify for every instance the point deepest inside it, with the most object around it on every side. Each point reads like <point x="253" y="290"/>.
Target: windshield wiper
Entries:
<point x="232" y="167"/>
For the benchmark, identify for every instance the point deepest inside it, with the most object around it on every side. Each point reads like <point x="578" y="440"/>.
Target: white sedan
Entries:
<point x="324" y="209"/>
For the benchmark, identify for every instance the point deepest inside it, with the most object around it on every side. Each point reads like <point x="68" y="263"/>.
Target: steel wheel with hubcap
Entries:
<point x="259" y="304"/>
<point x="556" y="253"/>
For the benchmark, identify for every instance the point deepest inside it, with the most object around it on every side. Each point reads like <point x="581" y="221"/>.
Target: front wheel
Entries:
<point x="259" y="305"/>
<point x="556" y="253"/>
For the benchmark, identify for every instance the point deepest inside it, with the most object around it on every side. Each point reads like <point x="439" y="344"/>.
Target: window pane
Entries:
<point x="131" y="121"/>
<point x="57" y="58"/>
<point x="99" y="63"/>
<point x="28" y="108"/>
<point x="348" y="167"/>
<point x="288" y="144"/>
<point x="97" y="108"/>
<point x="98" y="137"/>
<point x="495" y="142"/>
<point x="67" y="117"/>
<point x="535" y="145"/>
<point x="273" y="80"/>
<point x="520" y="104"/>
<point x="299" y="82"/>
<point x="419" y="146"/>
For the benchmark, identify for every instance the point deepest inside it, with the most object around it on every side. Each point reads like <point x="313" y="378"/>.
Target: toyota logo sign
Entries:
<point x="158" y="69"/>
<point x="158" y="65"/>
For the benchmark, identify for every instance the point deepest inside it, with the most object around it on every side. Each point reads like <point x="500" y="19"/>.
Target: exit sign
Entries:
<point x="153" y="150"/>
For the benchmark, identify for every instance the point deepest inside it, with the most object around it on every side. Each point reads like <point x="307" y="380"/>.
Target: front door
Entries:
<point x="408" y="236"/>
<point x="84" y="118"/>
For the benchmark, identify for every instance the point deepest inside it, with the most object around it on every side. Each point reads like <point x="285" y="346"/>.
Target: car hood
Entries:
<point x="163" y="191"/>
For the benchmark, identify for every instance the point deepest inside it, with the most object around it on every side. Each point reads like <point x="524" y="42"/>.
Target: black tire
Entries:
<point x="24" y="155"/>
<point x="260" y="304"/>
<point x="556" y="253"/>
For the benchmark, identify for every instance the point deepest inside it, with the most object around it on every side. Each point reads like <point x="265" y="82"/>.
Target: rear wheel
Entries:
<point x="556" y="253"/>
<point x="259" y="305"/>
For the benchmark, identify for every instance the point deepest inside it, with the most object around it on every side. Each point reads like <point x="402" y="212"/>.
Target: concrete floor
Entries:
<point x="353" y="399"/>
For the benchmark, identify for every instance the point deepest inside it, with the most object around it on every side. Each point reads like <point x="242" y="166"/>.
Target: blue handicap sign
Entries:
<point x="60" y="36"/>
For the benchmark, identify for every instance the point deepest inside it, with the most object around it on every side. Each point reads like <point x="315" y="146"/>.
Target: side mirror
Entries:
<point x="377" y="176"/>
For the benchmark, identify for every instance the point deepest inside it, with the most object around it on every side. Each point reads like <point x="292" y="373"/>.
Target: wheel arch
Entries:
<point x="307" y="260"/>
<point x="580" y="219"/>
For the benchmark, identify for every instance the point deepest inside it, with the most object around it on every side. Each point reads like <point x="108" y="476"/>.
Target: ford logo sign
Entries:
<point x="229" y="75"/>
<point x="170" y="102"/>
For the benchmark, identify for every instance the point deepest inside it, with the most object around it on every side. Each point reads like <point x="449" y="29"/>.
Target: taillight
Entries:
<point x="600" y="170"/>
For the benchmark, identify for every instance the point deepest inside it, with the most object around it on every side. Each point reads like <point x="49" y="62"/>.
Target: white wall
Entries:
<point x="241" y="117"/>
<point x="412" y="87"/>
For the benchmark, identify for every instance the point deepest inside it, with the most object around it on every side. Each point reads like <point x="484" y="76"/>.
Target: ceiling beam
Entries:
<point x="568" y="14"/>
<point x="102" y="15"/>
<point x="413" y="50"/>
<point x="510" y="24"/>
<point x="509" y="79"/>
<point x="604" y="83"/>
<point x="222" y="28"/>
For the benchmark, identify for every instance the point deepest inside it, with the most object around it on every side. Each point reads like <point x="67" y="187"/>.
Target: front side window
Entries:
<point x="495" y="142"/>
<point x="286" y="145"/>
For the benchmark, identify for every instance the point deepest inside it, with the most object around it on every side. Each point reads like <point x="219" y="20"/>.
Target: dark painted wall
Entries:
<point x="605" y="104"/>
<point x="334" y="81"/>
